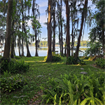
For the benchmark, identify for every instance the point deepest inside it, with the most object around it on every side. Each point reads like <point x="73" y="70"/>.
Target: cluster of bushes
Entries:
<point x="71" y="90"/>
<point x="92" y="58"/>
<point x="73" y="60"/>
<point x="100" y="62"/>
<point x="13" y="66"/>
<point x="12" y="83"/>
<point x="86" y="57"/>
<point x="55" y="57"/>
<point x="17" y="57"/>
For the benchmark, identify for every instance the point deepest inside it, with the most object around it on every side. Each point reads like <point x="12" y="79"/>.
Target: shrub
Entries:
<point x="100" y="62"/>
<point x="73" y="60"/>
<point x="70" y="89"/>
<point x="17" y="57"/>
<point x="86" y="57"/>
<point x="92" y="58"/>
<point x="12" y="83"/>
<point x="81" y="62"/>
<point x="55" y="58"/>
<point x="13" y="66"/>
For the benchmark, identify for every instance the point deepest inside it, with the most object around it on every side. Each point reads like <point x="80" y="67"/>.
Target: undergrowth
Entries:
<point x="71" y="90"/>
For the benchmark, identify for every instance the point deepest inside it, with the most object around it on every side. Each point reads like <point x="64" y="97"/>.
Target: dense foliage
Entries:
<point x="100" y="62"/>
<point x="13" y="66"/>
<point x="55" y="57"/>
<point x="70" y="89"/>
<point x="12" y="83"/>
<point x="73" y="60"/>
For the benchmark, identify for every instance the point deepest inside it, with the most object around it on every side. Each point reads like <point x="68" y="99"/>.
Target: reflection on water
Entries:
<point x="42" y="51"/>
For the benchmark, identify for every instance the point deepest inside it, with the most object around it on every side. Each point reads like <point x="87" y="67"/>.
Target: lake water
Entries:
<point x="42" y="51"/>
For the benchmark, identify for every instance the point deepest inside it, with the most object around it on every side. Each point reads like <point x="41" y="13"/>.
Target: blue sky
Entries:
<point x="43" y="18"/>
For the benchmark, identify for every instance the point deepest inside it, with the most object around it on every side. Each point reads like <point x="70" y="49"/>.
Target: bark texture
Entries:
<point x="49" y="54"/>
<point x="8" y="30"/>
<point x="68" y="30"/>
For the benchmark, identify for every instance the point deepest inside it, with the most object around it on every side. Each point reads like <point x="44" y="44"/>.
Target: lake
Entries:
<point x="42" y="51"/>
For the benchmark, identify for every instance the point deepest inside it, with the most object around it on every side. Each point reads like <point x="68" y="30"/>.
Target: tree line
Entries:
<point x="16" y="13"/>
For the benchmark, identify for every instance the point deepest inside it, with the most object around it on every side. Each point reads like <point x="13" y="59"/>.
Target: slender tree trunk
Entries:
<point x="13" y="41"/>
<point x="103" y="43"/>
<point x="8" y="30"/>
<point x="54" y="31"/>
<point x="36" y="46"/>
<point x="19" y="46"/>
<point x="80" y="34"/>
<point x="22" y="30"/>
<point x="72" y="40"/>
<point x="28" y="52"/>
<point x="67" y="22"/>
<point x="49" y="55"/>
<point x="61" y="32"/>
<point x="22" y="47"/>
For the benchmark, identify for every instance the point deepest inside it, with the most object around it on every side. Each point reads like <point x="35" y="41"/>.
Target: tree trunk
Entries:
<point x="28" y="52"/>
<point x="80" y="34"/>
<point x="22" y="30"/>
<point x="103" y="43"/>
<point x="54" y="31"/>
<point x="19" y="46"/>
<point x="49" y="55"/>
<point x="12" y="47"/>
<point x="36" y="46"/>
<point x="72" y="39"/>
<point x="67" y="22"/>
<point x="22" y="47"/>
<point x="8" y="30"/>
<point x="13" y="41"/>
<point x="61" y="32"/>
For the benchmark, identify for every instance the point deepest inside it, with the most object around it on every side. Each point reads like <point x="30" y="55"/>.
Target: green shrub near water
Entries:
<point x="73" y="60"/>
<point x="100" y="62"/>
<point x="12" y="83"/>
<point x="13" y="66"/>
<point x="17" y="57"/>
<point x="71" y="90"/>
<point x="55" y="58"/>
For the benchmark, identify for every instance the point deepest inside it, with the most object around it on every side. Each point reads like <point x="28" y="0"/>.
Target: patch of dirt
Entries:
<point x="36" y="99"/>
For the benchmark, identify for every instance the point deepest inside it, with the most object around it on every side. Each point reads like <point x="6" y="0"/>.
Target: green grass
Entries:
<point x="39" y="67"/>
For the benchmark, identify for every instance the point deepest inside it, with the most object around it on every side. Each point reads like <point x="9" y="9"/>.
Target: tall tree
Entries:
<point x="68" y="29"/>
<point x="36" y="13"/>
<point x="49" y="54"/>
<point x="54" y="23"/>
<point x="8" y="30"/>
<point x="84" y="14"/>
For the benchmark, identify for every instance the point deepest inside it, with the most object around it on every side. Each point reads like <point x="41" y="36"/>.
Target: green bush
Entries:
<point x="81" y="62"/>
<point x="13" y="66"/>
<point x="86" y="57"/>
<point x="73" y="60"/>
<point x="55" y="58"/>
<point x="12" y="83"/>
<point x="71" y="90"/>
<point x="17" y="57"/>
<point x="100" y="62"/>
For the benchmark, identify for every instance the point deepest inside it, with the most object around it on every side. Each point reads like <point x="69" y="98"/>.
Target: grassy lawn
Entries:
<point x="39" y="73"/>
